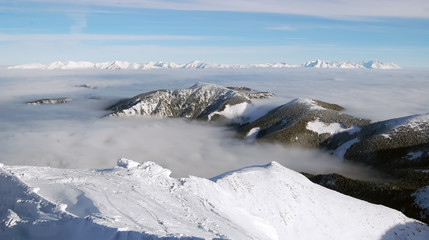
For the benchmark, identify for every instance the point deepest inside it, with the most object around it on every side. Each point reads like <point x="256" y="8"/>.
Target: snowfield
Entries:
<point x="141" y="201"/>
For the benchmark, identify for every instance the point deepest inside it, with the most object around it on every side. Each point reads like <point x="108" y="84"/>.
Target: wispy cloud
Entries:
<point x="93" y="37"/>
<point x="281" y="28"/>
<point x="80" y="23"/>
<point x="331" y="8"/>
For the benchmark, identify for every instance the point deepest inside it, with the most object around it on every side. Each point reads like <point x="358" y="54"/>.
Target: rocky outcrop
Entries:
<point x="49" y="101"/>
<point x="202" y="101"/>
<point x="303" y="122"/>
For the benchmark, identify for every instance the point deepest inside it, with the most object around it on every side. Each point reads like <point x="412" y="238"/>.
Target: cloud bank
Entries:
<point x="337" y="9"/>
<point x="74" y="135"/>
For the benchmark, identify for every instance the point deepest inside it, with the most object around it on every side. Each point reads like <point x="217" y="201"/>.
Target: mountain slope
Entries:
<point x="199" y="65"/>
<point x="135" y="201"/>
<point x="396" y="142"/>
<point x="398" y="147"/>
<point x="201" y="101"/>
<point x="304" y="122"/>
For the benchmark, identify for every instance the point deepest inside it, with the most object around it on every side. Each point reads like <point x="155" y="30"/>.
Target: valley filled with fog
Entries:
<point x="76" y="134"/>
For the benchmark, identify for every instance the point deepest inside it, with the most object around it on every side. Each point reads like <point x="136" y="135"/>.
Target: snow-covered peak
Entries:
<point x="204" y="101"/>
<point x="270" y="166"/>
<point x="199" y="65"/>
<point x="306" y="101"/>
<point x="196" y="64"/>
<point x="380" y="65"/>
<point x="127" y="163"/>
<point x="259" y="202"/>
<point x="199" y="85"/>
<point x="418" y="122"/>
<point x="344" y="64"/>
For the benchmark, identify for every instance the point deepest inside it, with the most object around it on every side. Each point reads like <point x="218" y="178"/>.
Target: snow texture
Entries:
<point x="143" y="202"/>
<point x="417" y="122"/>
<point x="341" y="150"/>
<point x="305" y="101"/>
<point x="331" y="128"/>
<point x="251" y="135"/>
<point x="126" y="163"/>
<point x="421" y="198"/>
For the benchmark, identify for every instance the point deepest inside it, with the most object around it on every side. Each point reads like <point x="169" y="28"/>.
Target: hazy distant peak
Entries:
<point x="201" y="65"/>
<point x="347" y="64"/>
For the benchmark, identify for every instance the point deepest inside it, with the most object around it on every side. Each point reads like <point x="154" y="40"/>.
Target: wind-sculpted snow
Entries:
<point x="201" y="101"/>
<point x="141" y="201"/>
<point x="304" y="122"/>
<point x="200" y="65"/>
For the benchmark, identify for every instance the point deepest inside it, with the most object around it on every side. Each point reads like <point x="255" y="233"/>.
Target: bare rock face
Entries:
<point x="202" y="101"/>
<point x="49" y="101"/>
<point x="303" y="122"/>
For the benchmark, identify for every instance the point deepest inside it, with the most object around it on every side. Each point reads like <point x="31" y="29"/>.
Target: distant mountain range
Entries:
<point x="202" y="65"/>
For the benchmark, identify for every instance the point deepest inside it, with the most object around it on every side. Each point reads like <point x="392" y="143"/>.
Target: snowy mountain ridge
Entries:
<point x="352" y="65"/>
<point x="200" y="101"/>
<point x="141" y="201"/>
<point x="68" y="65"/>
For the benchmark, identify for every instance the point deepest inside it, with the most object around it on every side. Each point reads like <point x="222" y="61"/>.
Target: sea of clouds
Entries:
<point x="76" y="134"/>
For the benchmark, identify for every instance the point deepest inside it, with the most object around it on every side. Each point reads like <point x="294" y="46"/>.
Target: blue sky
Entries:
<point x="241" y="31"/>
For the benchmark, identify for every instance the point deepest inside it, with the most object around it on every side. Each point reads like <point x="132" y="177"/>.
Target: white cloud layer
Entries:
<point x="332" y="8"/>
<point x="73" y="135"/>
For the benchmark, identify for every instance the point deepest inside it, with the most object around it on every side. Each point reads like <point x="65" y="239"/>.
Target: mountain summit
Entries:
<point x="200" y="65"/>
<point x="201" y="101"/>
<point x="141" y="201"/>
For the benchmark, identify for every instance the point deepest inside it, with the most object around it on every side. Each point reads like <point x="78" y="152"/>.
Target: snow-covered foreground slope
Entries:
<point x="201" y="65"/>
<point x="135" y="201"/>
